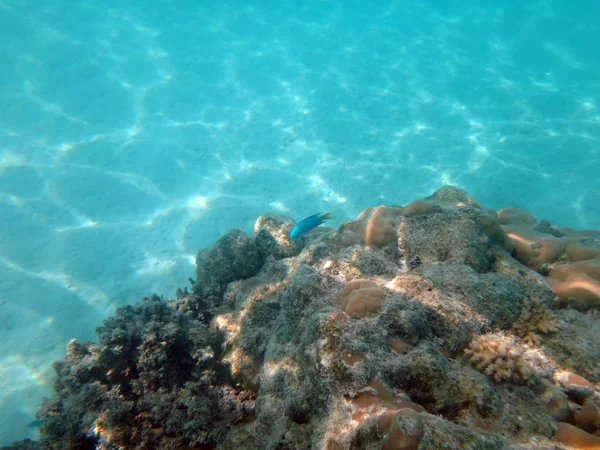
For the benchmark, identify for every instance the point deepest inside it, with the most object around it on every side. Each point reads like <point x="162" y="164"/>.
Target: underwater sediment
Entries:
<point x="438" y="325"/>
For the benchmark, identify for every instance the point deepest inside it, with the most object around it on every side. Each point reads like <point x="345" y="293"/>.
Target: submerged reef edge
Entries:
<point x="439" y="324"/>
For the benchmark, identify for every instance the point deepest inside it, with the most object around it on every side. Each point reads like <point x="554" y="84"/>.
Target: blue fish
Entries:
<point x="309" y="224"/>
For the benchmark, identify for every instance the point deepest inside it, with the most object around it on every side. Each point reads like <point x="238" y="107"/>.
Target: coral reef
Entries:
<point x="441" y="324"/>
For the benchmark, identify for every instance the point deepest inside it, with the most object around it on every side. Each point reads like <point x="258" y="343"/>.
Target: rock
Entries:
<point x="235" y="256"/>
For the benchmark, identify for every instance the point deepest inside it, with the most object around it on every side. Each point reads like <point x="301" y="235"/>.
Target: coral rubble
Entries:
<point x="441" y="324"/>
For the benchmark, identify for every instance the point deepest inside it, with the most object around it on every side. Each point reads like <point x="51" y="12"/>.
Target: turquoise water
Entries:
<point x="133" y="134"/>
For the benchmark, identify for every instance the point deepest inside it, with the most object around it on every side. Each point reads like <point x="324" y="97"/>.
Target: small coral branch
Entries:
<point x="503" y="358"/>
<point x="535" y="319"/>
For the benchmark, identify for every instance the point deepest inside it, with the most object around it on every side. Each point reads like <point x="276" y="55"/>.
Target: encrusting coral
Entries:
<point x="360" y="298"/>
<point x="441" y="324"/>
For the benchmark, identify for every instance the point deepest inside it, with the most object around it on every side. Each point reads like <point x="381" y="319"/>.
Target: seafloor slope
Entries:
<point x="441" y="324"/>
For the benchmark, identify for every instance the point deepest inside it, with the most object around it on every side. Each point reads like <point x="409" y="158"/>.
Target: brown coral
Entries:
<point x="491" y="226"/>
<point x="361" y="298"/>
<point x="405" y="431"/>
<point x="376" y="226"/>
<point x="377" y="397"/>
<point x="588" y="417"/>
<point x="572" y="436"/>
<point x="578" y="284"/>
<point x="420" y="207"/>
<point x="516" y="216"/>
<point x="535" y="249"/>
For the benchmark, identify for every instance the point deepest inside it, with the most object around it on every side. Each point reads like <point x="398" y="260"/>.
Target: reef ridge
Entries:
<point x="439" y="324"/>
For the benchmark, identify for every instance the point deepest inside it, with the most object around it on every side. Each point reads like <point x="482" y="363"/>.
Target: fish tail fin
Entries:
<point x="327" y="216"/>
